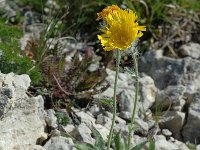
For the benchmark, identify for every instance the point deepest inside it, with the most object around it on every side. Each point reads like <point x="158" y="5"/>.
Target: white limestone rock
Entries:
<point x="59" y="143"/>
<point x="22" y="124"/>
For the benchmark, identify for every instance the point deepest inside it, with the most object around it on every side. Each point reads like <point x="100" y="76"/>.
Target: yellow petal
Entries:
<point x="121" y="28"/>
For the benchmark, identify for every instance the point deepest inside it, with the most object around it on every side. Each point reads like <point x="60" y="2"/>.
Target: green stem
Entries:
<point x="135" y="100"/>
<point x="114" y="100"/>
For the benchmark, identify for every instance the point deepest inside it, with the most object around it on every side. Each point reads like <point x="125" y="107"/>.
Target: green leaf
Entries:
<point x="100" y="144"/>
<point x="107" y="101"/>
<point x="11" y="57"/>
<point x="119" y="144"/>
<point x="151" y="144"/>
<point x="85" y="146"/>
<point x="139" y="146"/>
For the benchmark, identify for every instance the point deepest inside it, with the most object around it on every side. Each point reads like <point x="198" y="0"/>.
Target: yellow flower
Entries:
<point x="106" y="11"/>
<point x="121" y="28"/>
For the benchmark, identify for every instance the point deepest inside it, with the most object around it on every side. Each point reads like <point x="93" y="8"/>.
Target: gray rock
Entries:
<point x="104" y="120"/>
<point x="93" y="67"/>
<point x="166" y="132"/>
<point x="172" y="139"/>
<point x="59" y="143"/>
<point x="42" y="138"/>
<point x="125" y="115"/>
<point x="191" y="50"/>
<point x="126" y="102"/>
<point x="23" y="124"/>
<point x="178" y="81"/>
<point x="95" y="110"/>
<point x="102" y="130"/>
<point x="165" y="71"/>
<point x="24" y="40"/>
<point x="180" y="106"/>
<point x="137" y="140"/>
<point x="122" y="128"/>
<point x="5" y="93"/>
<point x="198" y="147"/>
<point x="83" y="134"/>
<point x="191" y="77"/>
<point x="51" y="119"/>
<point x="27" y="147"/>
<point x="162" y="144"/>
<point x="35" y="147"/>
<point x="170" y="98"/>
<point x="181" y="145"/>
<point x="142" y="126"/>
<point x="174" y="121"/>
<point x="7" y="9"/>
<point x="169" y="71"/>
<point x="191" y="131"/>
<point x="147" y="92"/>
<point x="117" y="119"/>
<point x="22" y="81"/>
<point x="66" y="129"/>
<point x="55" y="132"/>
<point x="139" y="123"/>
<point x="125" y="82"/>
<point x="151" y="123"/>
<point x="126" y="90"/>
<point x="18" y="84"/>
<point x="2" y="4"/>
<point x="86" y="118"/>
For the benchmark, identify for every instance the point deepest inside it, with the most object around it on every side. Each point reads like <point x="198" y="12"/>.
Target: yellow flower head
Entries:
<point x="106" y="11"/>
<point x="121" y="28"/>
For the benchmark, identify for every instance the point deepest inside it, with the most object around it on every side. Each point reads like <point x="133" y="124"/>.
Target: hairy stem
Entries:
<point x="135" y="100"/>
<point x="114" y="100"/>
